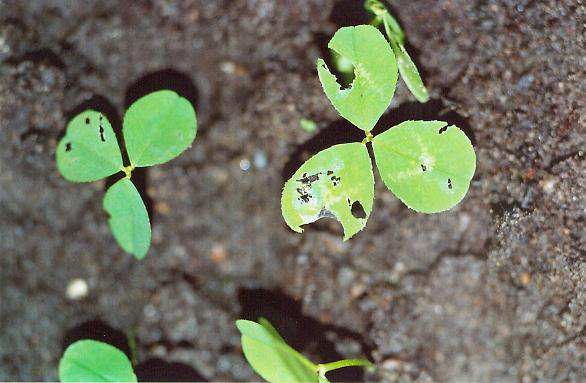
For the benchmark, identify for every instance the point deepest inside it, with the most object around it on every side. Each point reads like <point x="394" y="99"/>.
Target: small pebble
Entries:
<point x="77" y="289"/>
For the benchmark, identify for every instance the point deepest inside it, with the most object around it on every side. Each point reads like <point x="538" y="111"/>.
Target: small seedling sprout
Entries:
<point x="275" y="361"/>
<point x="156" y="128"/>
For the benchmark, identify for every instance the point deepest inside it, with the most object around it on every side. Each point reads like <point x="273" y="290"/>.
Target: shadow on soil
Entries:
<point x="151" y="370"/>
<point x="301" y="332"/>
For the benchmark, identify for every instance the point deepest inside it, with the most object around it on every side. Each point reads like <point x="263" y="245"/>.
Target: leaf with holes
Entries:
<point x="426" y="164"/>
<point x="336" y="182"/>
<point x="158" y="127"/>
<point x="89" y="150"/>
<point x="93" y="361"/>
<point x="375" y="71"/>
<point x="129" y="220"/>
<point x="272" y="358"/>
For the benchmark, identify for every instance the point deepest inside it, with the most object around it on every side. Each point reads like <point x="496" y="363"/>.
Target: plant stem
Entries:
<point x="128" y="171"/>
<point x="368" y="137"/>
<point x="322" y="369"/>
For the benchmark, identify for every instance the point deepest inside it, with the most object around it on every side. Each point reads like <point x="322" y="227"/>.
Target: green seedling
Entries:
<point x="275" y="361"/>
<point x="426" y="164"/>
<point x="92" y="361"/>
<point x="407" y="68"/>
<point x="156" y="128"/>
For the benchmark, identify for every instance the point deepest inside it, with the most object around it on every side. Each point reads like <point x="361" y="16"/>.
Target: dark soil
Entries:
<point x="494" y="290"/>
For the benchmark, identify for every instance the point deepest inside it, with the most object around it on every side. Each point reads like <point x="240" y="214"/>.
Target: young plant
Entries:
<point x="427" y="164"/>
<point x="407" y="68"/>
<point x="92" y="361"/>
<point x="276" y="361"/>
<point x="156" y="128"/>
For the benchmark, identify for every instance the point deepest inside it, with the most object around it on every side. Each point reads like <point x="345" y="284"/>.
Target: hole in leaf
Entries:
<point x="68" y="147"/>
<point x="102" y="132"/>
<point x="357" y="210"/>
<point x="423" y="167"/>
<point x="443" y="129"/>
<point x="449" y="183"/>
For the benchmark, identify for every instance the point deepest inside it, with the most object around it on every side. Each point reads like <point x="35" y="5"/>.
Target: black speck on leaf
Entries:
<point x="87" y="120"/>
<point x="68" y="147"/>
<point x="443" y="129"/>
<point x="449" y="183"/>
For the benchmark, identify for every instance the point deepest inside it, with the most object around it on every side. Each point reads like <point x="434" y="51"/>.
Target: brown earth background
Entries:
<point x="494" y="290"/>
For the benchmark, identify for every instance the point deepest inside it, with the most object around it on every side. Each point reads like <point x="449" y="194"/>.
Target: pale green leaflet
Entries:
<point x="426" y="164"/>
<point x="329" y="184"/>
<point x="156" y="128"/>
<point x="92" y="361"/>
<point x="375" y="70"/>
<point x="275" y="361"/>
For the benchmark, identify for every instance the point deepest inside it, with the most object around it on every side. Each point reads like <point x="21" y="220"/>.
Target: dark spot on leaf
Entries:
<point x="308" y="180"/>
<point x="443" y="129"/>
<point x="87" y="120"/>
<point x="357" y="210"/>
<point x="102" y="133"/>
<point x="330" y="172"/>
<point x="68" y="147"/>
<point x="449" y="183"/>
<point x="423" y="167"/>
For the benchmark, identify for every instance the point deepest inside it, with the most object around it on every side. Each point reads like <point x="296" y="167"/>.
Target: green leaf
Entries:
<point x="89" y="150"/>
<point x="158" y="127"/>
<point x="271" y="357"/>
<point x="375" y="71"/>
<point x="407" y="68"/>
<point x="331" y="183"/>
<point x="409" y="73"/>
<point x="426" y="164"/>
<point x="129" y="220"/>
<point x="93" y="361"/>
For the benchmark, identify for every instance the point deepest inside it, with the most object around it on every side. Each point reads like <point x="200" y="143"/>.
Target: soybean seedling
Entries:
<point x="275" y="361"/>
<point x="92" y="361"/>
<point x="156" y="128"/>
<point x="427" y="164"/>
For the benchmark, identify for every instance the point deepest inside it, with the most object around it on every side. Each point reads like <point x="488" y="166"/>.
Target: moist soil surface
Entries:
<point x="493" y="290"/>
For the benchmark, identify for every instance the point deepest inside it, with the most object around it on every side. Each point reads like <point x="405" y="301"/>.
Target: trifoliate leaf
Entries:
<point x="426" y="164"/>
<point x="89" y="150"/>
<point x="409" y="72"/>
<point x="375" y="71"/>
<point x="271" y="358"/>
<point x="129" y="220"/>
<point x="337" y="182"/>
<point x="93" y="361"/>
<point x="158" y="127"/>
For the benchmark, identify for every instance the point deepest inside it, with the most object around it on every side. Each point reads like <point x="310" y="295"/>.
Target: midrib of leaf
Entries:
<point x="149" y="140"/>
<point x="435" y="168"/>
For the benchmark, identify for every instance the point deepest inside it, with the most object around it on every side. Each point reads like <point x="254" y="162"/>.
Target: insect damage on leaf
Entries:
<point x="375" y="75"/>
<point x="426" y="164"/>
<point x="89" y="150"/>
<point x="329" y="184"/>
